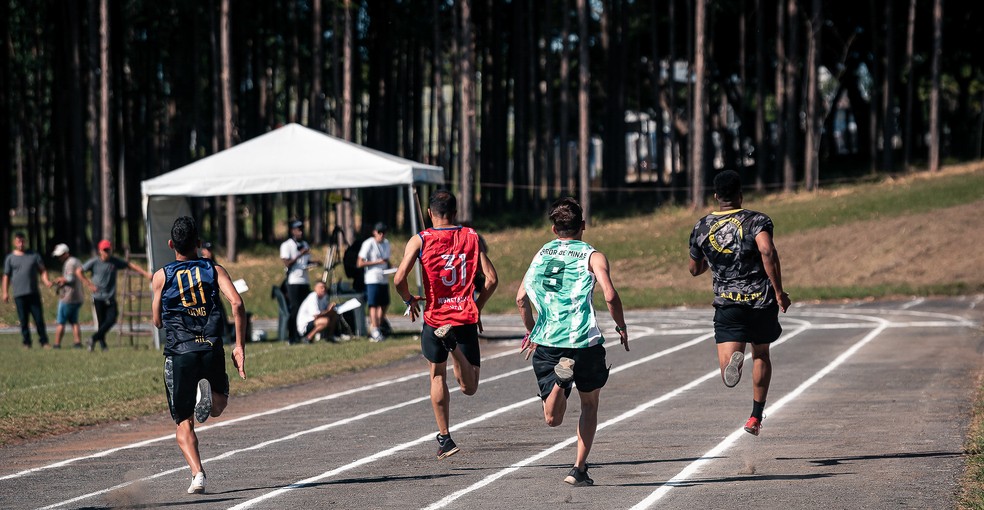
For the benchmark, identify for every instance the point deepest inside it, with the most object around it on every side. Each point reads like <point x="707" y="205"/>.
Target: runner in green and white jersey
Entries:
<point x="560" y="284"/>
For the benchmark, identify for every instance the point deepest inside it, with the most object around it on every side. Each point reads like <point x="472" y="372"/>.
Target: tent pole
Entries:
<point x="414" y="204"/>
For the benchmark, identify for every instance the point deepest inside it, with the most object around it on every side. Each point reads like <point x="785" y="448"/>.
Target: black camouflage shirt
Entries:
<point x="727" y="240"/>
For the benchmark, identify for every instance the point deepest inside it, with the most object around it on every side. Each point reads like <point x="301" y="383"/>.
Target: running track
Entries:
<point x="868" y="408"/>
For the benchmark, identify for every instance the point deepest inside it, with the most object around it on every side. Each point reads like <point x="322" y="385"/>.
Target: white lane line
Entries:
<point x="713" y="453"/>
<point x="910" y="304"/>
<point x="624" y="416"/>
<point x="430" y="436"/>
<point x="645" y="332"/>
<point x="226" y="423"/>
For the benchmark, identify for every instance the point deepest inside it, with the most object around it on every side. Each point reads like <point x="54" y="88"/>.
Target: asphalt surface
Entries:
<point x="869" y="408"/>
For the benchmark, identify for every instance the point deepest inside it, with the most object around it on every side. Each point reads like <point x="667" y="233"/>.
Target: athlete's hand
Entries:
<point x="784" y="301"/>
<point x="480" y="328"/>
<point x="623" y="337"/>
<point x="413" y="311"/>
<point x="527" y="346"/>
<point x="239" y="361"/>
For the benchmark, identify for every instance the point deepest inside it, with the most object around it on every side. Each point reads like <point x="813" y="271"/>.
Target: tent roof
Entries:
<point x="290" y="158"/>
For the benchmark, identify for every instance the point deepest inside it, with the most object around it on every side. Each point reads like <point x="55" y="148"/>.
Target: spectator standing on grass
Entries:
<point x="565" y="341"/>
<point x="103" y="268"/>
<point x="295" y="253"/>
<point x="736" y="245"/>
<point x="374" y="258"/>
<point x="186" y="305"/>
<point x="20" y="271"/>
<point x="451" y="257"/>
<point x="317" y="314"/>
<point x="69" y="296"/>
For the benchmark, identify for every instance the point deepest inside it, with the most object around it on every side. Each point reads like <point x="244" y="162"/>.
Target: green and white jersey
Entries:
<point x="561" y="288"/>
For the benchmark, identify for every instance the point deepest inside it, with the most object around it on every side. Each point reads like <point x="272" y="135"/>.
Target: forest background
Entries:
<point x="620" y="103"/>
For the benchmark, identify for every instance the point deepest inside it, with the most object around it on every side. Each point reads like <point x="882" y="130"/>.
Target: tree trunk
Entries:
<point x="762" y="145"/>
<point x="5" y="113"/>
<point x="888" y="92"/>
<point x="781" y="106"/>
<point x="584" y="133"/>
<point x="697" y="127"/>
<point x="792" y="108"/>
<point x="566" y="175"/>
<point x="811" y="158"/>
<point x="910" y="37"/>
<point x="466" y="137"/>
<point x="105" y="168"/>
<point x="934" y="91"/>
<point x="346" y="207"/>
<point x="315" y="107"/>
<point x="225" y="86"/>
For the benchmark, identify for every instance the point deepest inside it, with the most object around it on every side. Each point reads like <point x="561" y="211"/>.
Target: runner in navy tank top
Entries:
<point x="187" y="307"/>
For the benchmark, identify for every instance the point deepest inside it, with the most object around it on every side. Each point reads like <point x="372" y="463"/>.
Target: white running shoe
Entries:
<point x="203" y="401"/>
<point x="197" y="484"/>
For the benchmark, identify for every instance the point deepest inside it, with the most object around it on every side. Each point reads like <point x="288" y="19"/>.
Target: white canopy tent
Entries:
<point x="291" y="158"/>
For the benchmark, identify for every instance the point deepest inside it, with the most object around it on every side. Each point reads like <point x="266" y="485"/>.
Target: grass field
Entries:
<point x="64" y="389"/>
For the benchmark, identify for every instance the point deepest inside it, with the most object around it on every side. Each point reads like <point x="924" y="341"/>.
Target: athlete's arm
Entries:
<point x="157" y="284"/>
<point x="697" y="267"/>
<point x="598" y="264"/>
<point x="525" y="310"/>
<point x="770" y="260"/>
<point x="491" y="280"/>
<point x="400" y="278"/>
<point x="239" y="317"/>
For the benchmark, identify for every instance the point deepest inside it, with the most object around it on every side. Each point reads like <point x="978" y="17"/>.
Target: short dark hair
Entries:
<point x="727" y="185"/>
<point x="443" y="203"/>
<point x="184" y="234"/>
<point x="19" y="235"/>
<point x="567" y="216"/>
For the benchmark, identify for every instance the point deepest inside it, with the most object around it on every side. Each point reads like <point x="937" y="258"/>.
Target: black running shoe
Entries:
<point x="203" y="401"/>
<point x="445" y="446"/>
<point x="446" y="335"/>
<point x="579" y="478"/>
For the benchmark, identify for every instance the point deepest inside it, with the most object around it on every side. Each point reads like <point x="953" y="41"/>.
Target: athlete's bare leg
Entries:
<point x="440" y="398"/>
<point x="587" y="426"/>
<point x="554" y="406"/>
<point x="761" y="372"/>
<point x="188" y="442"/>
<point x="219" y="403"/>
<point x="466" y="373"/>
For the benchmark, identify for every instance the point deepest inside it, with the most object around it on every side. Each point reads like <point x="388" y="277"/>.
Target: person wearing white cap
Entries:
<point x="69" y="296"/>
<point x="295" y="253"/>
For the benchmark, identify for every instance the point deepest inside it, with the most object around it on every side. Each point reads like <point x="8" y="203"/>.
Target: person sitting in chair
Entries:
<point x="316" y="314"/>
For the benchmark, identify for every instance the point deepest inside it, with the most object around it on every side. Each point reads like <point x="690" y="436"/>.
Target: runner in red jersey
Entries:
<point x="451" y="257"/>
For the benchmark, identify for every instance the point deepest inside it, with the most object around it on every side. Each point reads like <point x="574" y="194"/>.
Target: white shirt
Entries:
<point x="372" y="251"/>
<point x="297" y="273"/>
<point x="310" y="307"/>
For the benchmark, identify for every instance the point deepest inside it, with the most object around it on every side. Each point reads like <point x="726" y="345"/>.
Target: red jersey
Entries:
<point x="449" y="259"/>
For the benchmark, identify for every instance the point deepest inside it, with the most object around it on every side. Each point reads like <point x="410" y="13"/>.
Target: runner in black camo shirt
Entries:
<point x="736" y="244"/>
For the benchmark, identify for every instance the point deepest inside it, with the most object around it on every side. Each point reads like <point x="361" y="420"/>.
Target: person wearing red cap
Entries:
<point x="103" y="286"/>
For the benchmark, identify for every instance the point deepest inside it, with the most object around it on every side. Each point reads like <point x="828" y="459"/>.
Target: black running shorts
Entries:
<point x="738" y="323"/>
<point x="467" y="337"/>
<point x="590" y="369"/>
<point x="182" y="373"/>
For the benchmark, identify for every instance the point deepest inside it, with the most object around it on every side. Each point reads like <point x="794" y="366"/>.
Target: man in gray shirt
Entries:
<point x="22" y="268"/>
<point x="103" y="286"/>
